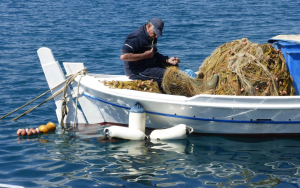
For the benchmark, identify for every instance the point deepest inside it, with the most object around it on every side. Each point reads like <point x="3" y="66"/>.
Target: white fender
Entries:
<point x="124" y="133"/>
<point x="177" y="132"/>
<point x="137" y="118"/>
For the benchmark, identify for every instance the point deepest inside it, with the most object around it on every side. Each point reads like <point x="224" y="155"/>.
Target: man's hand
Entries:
<point x="173" y="60"/>
<point x="149" y="53"/>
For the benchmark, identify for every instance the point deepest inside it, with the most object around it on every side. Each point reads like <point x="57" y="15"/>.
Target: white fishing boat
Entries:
<point x="214" y="114"/>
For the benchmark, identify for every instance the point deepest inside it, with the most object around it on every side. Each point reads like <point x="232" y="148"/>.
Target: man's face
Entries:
<point x="152" y="34"/>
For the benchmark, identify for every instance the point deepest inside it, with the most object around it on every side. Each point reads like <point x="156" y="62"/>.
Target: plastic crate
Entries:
<point x="291" y="52"/>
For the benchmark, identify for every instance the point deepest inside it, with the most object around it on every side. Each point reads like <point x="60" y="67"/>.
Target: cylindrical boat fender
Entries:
<point x="137" y="118"/>
<point x="124" y="133"/>
<point x="177" y="132"/>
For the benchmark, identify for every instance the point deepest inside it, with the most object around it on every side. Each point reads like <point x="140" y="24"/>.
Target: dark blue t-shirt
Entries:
<point x="138" y="42"/>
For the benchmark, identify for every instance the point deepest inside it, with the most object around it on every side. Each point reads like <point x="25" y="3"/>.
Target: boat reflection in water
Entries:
<point x="195" y="161"/>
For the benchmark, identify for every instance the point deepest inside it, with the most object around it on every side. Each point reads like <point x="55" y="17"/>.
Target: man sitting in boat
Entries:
<point x="140" y="57"/>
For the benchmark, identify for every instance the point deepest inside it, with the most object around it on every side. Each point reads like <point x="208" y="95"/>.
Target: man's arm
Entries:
<point x="136" y="57"/>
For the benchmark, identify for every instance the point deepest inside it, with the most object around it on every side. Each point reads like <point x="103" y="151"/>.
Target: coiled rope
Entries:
<point x="63" y="90"/>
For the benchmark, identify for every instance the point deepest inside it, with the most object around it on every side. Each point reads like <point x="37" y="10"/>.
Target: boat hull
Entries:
<point x="205" y="113"/>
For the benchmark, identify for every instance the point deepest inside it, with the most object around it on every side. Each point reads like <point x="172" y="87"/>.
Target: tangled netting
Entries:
<point x="239" y="67"/>
<point x="245" y="68"/>
<point x="147" y="86"/>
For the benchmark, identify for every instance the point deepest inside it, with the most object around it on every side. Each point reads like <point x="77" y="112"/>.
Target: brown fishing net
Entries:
<point x="245" y="68"/>
<point x="239" y="67"/>
<point x="147" y="86"/>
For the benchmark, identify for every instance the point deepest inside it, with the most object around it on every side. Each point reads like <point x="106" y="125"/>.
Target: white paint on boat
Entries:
<point x="54" y="76"/>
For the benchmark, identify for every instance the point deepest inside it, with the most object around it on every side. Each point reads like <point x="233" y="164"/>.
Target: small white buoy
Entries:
<point x="137" y="118"/>
<point x="177" y="132"/>
<point x="124" y="133"/>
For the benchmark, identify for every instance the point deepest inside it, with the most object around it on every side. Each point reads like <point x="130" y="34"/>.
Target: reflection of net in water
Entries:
<point x="236" y="68"/>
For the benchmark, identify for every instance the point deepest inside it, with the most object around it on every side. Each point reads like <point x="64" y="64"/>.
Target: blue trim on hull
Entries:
<point x="195" y="118"/>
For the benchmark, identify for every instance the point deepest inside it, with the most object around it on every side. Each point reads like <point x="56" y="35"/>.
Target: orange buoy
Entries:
<point x="43" y="129"/>
<point x="51" y="126"/>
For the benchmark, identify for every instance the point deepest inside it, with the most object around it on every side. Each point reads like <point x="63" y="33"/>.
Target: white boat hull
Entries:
<point x="205" y="113"/>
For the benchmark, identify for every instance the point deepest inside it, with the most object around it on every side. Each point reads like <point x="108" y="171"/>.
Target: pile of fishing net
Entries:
<point x="239" y="67"/>
<point x="147" y="86"/>
<point x="247" y="68"/>
<point x="236" y="68"/>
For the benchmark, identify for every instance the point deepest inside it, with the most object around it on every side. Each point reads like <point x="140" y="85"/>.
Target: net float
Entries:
<point x="232" y="43"/>
<point x="33" y="131"/>
<point x="244" y="43"/>
<point x="280" y="92"/>
<point x="23" y="132"/>
<point x="276" y="79"/>
<point x="139" y="85"/>
<point x="257" y="88"/>
<point x="37" y="130"/>
<point x="280" y="82"/>
<point x="43" y="129"/>
<point x="51" y="126"/>
<point x="19" y="132"/>
<point x="145" y="89"/>
<point x="243" y="89"/>
<point x="150" y="89"/>
<point x="29" y="133"/>
<point x="285" y="92"/>
<point x="268" y="83"/>
<point x="130" y="87"/>
<point x="143" y="83"/>
<point x="266" y="92"/>
<point x="229" y="51"/>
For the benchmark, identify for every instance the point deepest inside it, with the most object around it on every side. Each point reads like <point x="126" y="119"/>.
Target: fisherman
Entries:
<point x="140" y="57"/>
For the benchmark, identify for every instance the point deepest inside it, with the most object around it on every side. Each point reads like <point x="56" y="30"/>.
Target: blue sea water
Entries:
<point x="93" y="32"/>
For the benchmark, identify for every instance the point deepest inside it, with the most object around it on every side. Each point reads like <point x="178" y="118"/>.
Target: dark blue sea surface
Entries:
<point x="93" y="32"/>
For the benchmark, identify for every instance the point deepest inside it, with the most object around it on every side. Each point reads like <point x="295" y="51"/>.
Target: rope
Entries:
<point x="32" y="100"/>
<point x="64" y="98"/>
<point x="77" y="99"/>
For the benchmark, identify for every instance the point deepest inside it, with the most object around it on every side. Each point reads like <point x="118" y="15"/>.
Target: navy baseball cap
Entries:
<point x="158" y="25"/>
